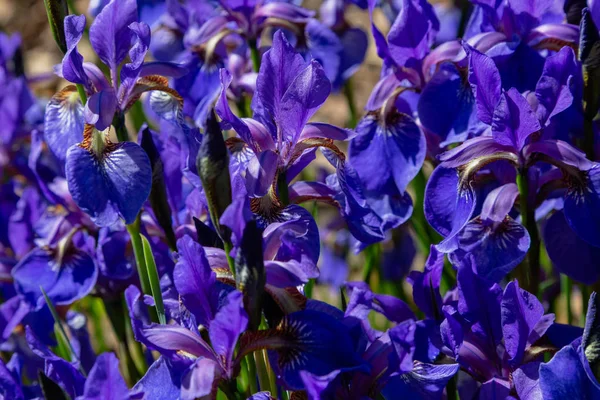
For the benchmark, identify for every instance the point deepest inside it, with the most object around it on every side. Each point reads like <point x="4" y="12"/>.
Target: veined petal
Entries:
<point x="499" y="202"/>
<point x="553" y="36"/>
<point x="425" y="381"/>
<point x="554" y="90"/>
<point x="564" y="377"/>
<point x="426" y="285"/>
<point x="397" y="143"/>
<point x="202" y="380"/>
<point x="305" y="94"/>
<point x="63" y="122"/>
<point x="284" y="11"/>
<point x="229" y="323"/>
<point x="110" y="35"/>
<point x="105" y="380"/>
<point x="194" y="280"/>
<point x="494" y="249"/>
<point x="65" y="280"/>
<point x="513" y="120"/>
<point x="137" y="53"/>
<point x="290" y="273"/>
<point x="559" y="151"/>
<point x="521" y="311"/>
<point x="485" y="81"/>
<point x="173" y="338"/>
<point x="526" y="381"/>
<point x="475" y="150"/>
<point x="582" y="206"/>
<point x="115" y="183"/>
<point x="321" y="130"/>
<point x="309" y="341"/>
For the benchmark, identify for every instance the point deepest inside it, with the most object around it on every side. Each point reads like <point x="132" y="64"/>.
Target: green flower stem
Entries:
<point x="566" y="287"/>
<point x="261" y="369"/>
<point x="451" y="389"/>
<point x="349" y="93"/>
<point x="138" y="252"/>
<point x="119" y="124"/>
<point x="227" y="247"/>
<point x="82" y="94"/>
<point x="283" y="189"/>
<point x="116" y="315"/>
<point x="372" y="256"/>
<point x="419" y="222"/>
<point x="60" y="330"/>
<point x="254" y="54"/>
<point x="154" y="280"/>
<point x="251" y="366"/>
<point x="528" y="272"/>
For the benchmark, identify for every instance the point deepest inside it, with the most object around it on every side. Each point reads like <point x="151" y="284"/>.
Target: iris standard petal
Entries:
<point x="486" y="84"/>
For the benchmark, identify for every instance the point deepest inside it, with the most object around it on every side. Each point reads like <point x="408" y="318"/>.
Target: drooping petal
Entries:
<point x="105" y="380"/>
<point x="161" y="380"/>
<point x="499" y="202"/>
<point x="116" y="185"/>
<point x="110" y="35"/>
<point x="560" y="152"/>
<point x="63" y="122"/>
<point x="570" y="254"/>
<point x="564" y="377"/>
<point x="521" y="311"/>
<point x="194" y="280"/>
<point x="64" y="280"/>
<point x="448" y="205"/>
<point x="396" y="143"/>
<point x="513" y="120"/>
<point x="201" y="381"/>
<point x="526" y="381"/>
<point x="477" y="149"/>
<point x="309" y="341"/>
<point x="425" y="381"/>
<point x="582" y="207"/>
<point x="495" y="249"/>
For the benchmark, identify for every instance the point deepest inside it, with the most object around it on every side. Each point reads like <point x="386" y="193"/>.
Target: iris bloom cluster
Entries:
<point x="181" y="219"/>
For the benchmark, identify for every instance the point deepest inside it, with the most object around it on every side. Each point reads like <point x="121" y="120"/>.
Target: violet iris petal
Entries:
<point x="582" y="207"/>
<point x="162" y="380"/>
<point x="570" y="254"/>
<point x="116" y="185"/>
<point x="397" y="142"/>
<point x="521" y="311"/>
<point x="260" y="173"/>
<point x="425" y="381"/>
<point x="72" y="64"/>
<point x="105" y="380"/>
<point x="513" y="120"/>
<point x="110" y="35"/>
<point x="63" y="122"/>
<point x="526" y="381"/>
<point x="316" y="343"/>
<point x="195" y="281"/>
<point x="486" y="83"/>
<point x="64" y="280"/>
<point x="426" y="285"/>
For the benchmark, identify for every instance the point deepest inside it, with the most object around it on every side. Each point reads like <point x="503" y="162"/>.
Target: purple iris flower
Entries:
<point x="573" y="371"/>
<point x="278" y="137"/>
<point x="492" y="334"/>
<point x="515" y="137"/>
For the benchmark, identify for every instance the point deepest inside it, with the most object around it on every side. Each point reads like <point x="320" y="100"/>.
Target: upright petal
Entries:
<point x="426" y="285"/>
<point x="554" y="90"/>
<point x="521" y="311"/>
<point x="485" y="81"/>
<point x="194" y="280"/>
<point x="260" y="174"/>
<point x="229" y="323"/>
<point x="110" y="35"/>
<point x="72" y="64"/>
<point x="513" y="120"/>
<point x="105" y="380"/>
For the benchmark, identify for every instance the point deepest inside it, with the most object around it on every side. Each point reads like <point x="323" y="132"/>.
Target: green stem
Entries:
<point x="251" y="373"/>
<point x="282" y="188"/>
<point x="154" y="280"/>
<point x="451" y="389"/>
<point x="529" y="270"/>
<point x="227" y="248"/>
<point x="116" y="315"/>
<point x="372" y="254"/>
<point x="82" y="95"/>
<point x="349" y="93"/>
<point x="586" y="292"/>
<point x="119" y="124"/>
<point x="424" y="236"/>
<point x="567" y="288"/>
<point x="254" y="54"/>
<point x="138" y="252"/>
<point x="261" y="369"/>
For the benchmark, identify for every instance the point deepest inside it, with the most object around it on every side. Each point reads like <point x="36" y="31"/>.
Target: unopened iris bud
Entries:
<point x="250" y="273"/>
<point x="213" y="167"/>
<point x="57" y="11"/>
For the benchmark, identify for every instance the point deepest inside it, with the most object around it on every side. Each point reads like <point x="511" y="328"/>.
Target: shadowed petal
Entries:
<point x="110" y="35"/>
<point x="582" y="207"/>
<point x="105" y="380"/>
<point x="513" y="120"/>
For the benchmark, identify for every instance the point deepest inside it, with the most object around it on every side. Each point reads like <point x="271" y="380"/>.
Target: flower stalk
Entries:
<point x="529" y="271"/>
